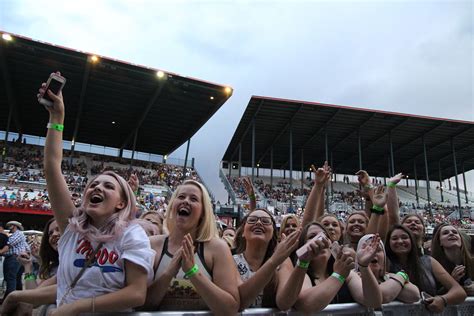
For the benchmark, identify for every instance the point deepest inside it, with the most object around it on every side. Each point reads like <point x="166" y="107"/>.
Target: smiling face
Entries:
<point x="332" y="226"/>
<point x="103" y="197"/>
<point x="400" y="242"/>
<point x="229" y="233"/>
<point x="449" y="237"/>
<point x="291" y="226"/>
<point x="187" y="207"/>
<point x="415" y="225"/>
<point x="258" y="227"/>
<point x="54" y="234"/>
<point x="356" y="226"/>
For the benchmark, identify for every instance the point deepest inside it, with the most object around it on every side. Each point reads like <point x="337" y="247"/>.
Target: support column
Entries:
<point x="416" y="184"/>
<point x="134" y="147"/>
<point x="271" y="168"/>
<point x="186" y="160"/>
<point x="326" y="145"/>
<point x="240" y="160"/>
<point x="440" y="181"/>
<point x="291" y="165"/>
<point x="456" y="177"/>
<point x="427" y="175"/>
<point x="332" y="186"/>
<point x="360" y="149"/>
<point x="302" y="171"/>
<point x="5" y="149"/>
<point x="465" y="183"/>
<point x="253" y="149"/>
<point x="392" y="161"/>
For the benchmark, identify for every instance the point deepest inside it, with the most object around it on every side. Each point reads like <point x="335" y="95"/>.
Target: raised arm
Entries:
<point x="248" y="186"/>
<point x="315" y="203"/>
<point x="392" y="200"/>
<point x="379" y="199"/>
<point x="59" y="194"/>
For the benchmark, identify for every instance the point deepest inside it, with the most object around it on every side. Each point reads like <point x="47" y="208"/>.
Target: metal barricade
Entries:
<point x="391" y="309"/>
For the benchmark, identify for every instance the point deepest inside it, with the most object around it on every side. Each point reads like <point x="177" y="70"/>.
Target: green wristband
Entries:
<point x="377" y="210"/>
<point x="404" y="276"/>
<point x="192" y="272"/>
<point x="391" y="185"/>
<point x="252" y="197"/>
<point x="302" y="264"/>
<point x="339" y="277"/>
<point x="30" y="277"/>
<point x="55" y="126"/>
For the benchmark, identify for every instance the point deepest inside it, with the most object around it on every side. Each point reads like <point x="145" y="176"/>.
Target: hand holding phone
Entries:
<point x="424" y="297"/>
<point x="55" y="83"/>
<point x="304" y="251"/>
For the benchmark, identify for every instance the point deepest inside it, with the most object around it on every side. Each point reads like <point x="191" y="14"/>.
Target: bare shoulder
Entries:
<point x="157" y="241"/>
<point x="217" y="247"/>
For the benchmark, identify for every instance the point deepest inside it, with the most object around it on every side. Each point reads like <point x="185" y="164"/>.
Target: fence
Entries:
<point x="391" y="309"/>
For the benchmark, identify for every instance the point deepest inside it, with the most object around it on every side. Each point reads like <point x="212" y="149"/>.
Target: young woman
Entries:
<point x="262" y="263"/>
<point x="416" y="225"/>
<point x="423" y="271"/>
<point x="451" y="251"/>
<point x="331" y="280"/>
<point x="356" y="227"/>
<point x="193" y="268"/>
<point x="289" y="224"/>
<point x="155" y="218"/>
<point x="106" y="259"/>
<point x="392" y="285"/>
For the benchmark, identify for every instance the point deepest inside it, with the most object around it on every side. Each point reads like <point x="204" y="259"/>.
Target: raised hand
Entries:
<point x="458" y="272"/>
<point x="247" y="183"/>
<point x="287" y="245"/>
<point x="368" y="251"/>
<point x="315" y="247"/>
<point x="380" y="196"/>
<point x="133" y="182"/>
<point x="188" y="253"/>
<point x="321" y="175"/>
<point x="396" y="178"/>
<point x="57" y="109"/>
<point x="344" y="263"/>
<point x="364" y="178"/>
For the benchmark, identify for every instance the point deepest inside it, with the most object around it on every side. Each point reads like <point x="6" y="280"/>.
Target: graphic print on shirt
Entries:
<point x="105" y="258"/>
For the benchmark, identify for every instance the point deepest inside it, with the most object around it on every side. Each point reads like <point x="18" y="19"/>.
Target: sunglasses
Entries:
<point x="265" y="220"/>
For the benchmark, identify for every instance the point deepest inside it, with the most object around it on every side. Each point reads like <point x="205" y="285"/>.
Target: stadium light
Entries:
<point x="94" y="58"/>
<point x="160" y="74"/>
<point x="228" y="90"/>
<point x="113" y="122"/>
<point x="212" y="98"/>
<point x="258" y="165"/>
<point x="7" y="37"/>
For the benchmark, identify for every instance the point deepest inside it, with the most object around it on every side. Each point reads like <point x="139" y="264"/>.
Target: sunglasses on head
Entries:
<point x="265" y="220"/>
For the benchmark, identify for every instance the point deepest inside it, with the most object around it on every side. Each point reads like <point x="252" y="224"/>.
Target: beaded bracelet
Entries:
<point x="192" y="272"/>
<point x="339" y="277"/>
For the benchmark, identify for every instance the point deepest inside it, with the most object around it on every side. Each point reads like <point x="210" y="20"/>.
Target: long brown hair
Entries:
<point x="437" y="251"/>
<point x="49" y="258"/>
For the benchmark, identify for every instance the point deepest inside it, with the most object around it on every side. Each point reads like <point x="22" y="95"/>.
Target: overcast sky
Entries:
<point x="406" y="56"/>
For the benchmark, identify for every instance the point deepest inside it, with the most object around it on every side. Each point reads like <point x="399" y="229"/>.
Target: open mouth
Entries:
<point x="96" y="198"/>
<point x="356" y="229"/>
<point x="183" y="212"/>
<point x="258" y="230"/>
<point x="374" y="261"/>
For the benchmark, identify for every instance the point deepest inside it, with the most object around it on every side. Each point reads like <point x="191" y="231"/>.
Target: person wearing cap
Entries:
<point x="11" y="266"/>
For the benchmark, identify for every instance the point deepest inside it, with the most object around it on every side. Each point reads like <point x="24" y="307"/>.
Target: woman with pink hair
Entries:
<point x="105" y="258"/>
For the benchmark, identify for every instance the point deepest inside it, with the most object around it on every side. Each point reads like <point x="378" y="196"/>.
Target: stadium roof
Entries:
<point x="166" y="111"/>
<point x="311" y="120"/>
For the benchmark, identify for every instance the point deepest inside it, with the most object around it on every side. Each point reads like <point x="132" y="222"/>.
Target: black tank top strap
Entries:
<point x="164" y="250"/>
<point x="200" y="252"/>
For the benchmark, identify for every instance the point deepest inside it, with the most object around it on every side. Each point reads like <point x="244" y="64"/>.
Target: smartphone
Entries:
<point x="425" y="296"/>
<point x="335" y="248"/>
<point x="55" y="83"/>
<point x="305" y="248"/>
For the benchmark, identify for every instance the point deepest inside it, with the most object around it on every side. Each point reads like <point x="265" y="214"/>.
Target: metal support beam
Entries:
<point x="427" y="175"/>
<point x="5" y="149"/>
<point x="80" y="106"/>
<point x="302" y="170"/>
<point x="250" y="125"/>
<point x="291" y="166"/>
<point x="144" y="112"/>
<point x="465" y="183"/>
<point x="416" y="184"/>
<point x="271" y="168"/>
<point x="456" y="177"/>
<point x="326" y="146"/>
<point x="282" y="131"/>
<point x="440" y="181"/>
<point x="332" y="186"/>
<point x="392" y="161"/>
<point x="240" y="160"/>
<point x="253" y="150"/>
<point x="134" y="147"/>
<point x="186" y="159"/>
<point x="360" y="149"/>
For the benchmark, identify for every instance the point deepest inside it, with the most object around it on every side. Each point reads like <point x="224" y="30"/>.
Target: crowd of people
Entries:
<point x="101" y="254"/>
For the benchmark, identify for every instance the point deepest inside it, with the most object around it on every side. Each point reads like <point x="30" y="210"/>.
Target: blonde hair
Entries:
<point x="80" y="222"/>
<point x="207" y="228"/>
<point x="284" y="222"/>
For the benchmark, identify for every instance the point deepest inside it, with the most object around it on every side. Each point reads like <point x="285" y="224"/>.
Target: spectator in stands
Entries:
<point x="12" y="269"/>
<point x="263" y="264"/>
<point x="425" y="272"/>
<point x="393" y="285"/>
<point x="451" y="251"/>
<point x="331" y="280"/>
<point x="186" y="279"/>
<point x="99" y="236"/>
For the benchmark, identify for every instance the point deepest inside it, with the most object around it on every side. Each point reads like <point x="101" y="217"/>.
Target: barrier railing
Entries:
<point x="391" y="309"/>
